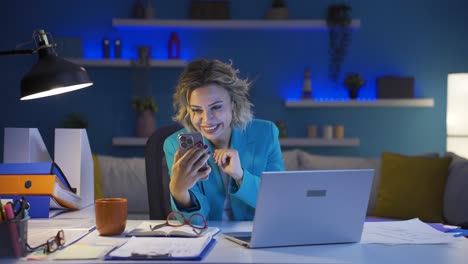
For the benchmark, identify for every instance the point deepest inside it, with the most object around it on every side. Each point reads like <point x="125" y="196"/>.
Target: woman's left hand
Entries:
<point x="228" y="160"/>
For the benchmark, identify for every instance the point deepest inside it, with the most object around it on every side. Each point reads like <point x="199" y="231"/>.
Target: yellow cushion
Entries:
<point x="412" y="187"/>
<point x="98" y="193"/>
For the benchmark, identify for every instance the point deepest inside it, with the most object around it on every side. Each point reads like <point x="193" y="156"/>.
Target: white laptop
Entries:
<point x="308" y="207"/>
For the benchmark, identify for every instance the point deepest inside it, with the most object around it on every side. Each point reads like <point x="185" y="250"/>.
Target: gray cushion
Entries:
<point x="455" y="210"/>
<point x="125" y="177"/>
<point x="321" y="162"/>
<point x="291" y="159"/>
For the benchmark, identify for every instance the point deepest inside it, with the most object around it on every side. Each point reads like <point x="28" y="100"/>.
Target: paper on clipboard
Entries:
<point x="163" y="247"/>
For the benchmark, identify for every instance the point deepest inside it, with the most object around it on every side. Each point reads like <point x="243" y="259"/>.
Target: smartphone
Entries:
<point x="187" y="141"/>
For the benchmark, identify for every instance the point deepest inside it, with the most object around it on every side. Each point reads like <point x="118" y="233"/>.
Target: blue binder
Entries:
<point x="40" y="204"/>
<point x="35" y="168"/>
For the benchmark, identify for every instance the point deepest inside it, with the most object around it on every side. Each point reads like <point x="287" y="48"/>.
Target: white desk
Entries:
<point x="226" y="251"/>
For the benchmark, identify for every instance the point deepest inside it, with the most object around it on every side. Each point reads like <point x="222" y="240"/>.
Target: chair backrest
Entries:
<point x="157" y="177"/>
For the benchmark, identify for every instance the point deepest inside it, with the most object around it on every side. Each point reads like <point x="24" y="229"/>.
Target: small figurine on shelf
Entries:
<point x="307" y="86"/>
<point x="173" y="48"/>
<point x="105" y="48"/>
<point x="117" y="49"/>
<point x="144" y="55"/>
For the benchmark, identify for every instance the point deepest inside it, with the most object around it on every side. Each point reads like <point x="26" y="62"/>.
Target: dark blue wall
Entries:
<point x="403" y="38"/>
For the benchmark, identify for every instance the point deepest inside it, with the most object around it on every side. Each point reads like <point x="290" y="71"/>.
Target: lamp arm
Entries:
<point x="15" y="52"/>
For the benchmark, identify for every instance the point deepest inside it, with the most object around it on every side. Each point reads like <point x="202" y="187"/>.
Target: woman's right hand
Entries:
<point x="186" y="172"/>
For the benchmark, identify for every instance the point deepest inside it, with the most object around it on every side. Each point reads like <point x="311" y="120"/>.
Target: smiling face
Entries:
<point x="210" y="110"/>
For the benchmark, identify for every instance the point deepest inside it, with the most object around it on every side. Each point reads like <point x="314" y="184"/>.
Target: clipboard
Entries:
<point x="164" y="248"/>
<point x="201" y="254"/>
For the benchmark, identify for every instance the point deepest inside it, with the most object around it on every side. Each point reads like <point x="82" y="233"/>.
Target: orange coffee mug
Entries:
<point x="111" y="216"/>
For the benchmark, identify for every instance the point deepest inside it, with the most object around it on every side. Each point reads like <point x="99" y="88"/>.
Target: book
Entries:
<point x="48" y="168"/>
<point x="39" y="184"/>
<point x="144" y="230"/>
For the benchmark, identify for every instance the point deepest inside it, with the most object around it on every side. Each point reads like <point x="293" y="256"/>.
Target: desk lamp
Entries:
<point x="51" y="75"/>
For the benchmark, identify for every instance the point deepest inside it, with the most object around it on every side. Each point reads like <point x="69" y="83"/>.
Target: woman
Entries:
<point x="211" y="99"/>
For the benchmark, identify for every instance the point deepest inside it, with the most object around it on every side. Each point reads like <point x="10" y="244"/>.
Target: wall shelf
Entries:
<point x="319" y="142"/>
<point x="122" y="23"/>
<point x="414" y="102"/>
<point x="286" y="142"/>
<point x="127" y="63"/>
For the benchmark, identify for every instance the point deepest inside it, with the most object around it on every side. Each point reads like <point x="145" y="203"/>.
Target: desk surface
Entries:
<point x="226" y="251"/>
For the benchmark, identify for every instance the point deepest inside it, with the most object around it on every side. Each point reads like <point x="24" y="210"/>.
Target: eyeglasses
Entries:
<point x="52" y="244"/>
<point x="175" y="219"/>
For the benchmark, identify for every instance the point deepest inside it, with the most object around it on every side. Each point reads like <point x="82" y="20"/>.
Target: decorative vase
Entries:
<point x="146" y="124"/>
<point x="277" y="13"/>
<point x="173" y="46"/>
<point x="149" y="10"/>
<point x="353" y="92"/>
<point x="138" y="10"/>
<point x="278" y="10"/>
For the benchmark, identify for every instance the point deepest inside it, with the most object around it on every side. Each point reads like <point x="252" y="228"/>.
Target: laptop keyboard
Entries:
<point x="244" y="238"/>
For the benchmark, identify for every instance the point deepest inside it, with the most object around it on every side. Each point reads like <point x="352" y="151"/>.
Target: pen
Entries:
<point x="458" y="232"/>
<point x="10" y="215"/>
<point x="150" y="256"/>
<point x="12" y="227"/>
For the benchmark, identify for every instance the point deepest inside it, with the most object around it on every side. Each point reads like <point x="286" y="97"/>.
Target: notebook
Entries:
<point x="308" y="207"/>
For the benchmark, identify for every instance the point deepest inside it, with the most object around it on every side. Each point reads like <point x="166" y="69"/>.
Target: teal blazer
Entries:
<point x="259" y="150"/>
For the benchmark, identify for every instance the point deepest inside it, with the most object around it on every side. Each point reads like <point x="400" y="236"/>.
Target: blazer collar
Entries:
<point x="240" y="138"/>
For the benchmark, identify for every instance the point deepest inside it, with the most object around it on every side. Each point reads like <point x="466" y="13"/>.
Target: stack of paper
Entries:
<point x="39" y="230"/>
<point x="404" y="232"/>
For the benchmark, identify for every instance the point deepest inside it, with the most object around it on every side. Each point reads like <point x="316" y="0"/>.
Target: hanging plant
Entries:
<point x="339" y="32"/>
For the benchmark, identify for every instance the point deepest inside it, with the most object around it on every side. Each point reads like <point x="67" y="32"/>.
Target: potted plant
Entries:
<point x="141" y="104"/>
<point x="339" y="33"/>
<point x="146" y="123"/>
<point x="75" y="120"/>
<point x="353" y="82"/>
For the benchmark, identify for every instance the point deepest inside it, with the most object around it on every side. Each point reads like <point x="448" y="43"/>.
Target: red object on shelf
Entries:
<point x="174" y="46"/>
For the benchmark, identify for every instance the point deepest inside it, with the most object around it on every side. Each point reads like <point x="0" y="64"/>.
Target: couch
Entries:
<point x="125" y="177"/>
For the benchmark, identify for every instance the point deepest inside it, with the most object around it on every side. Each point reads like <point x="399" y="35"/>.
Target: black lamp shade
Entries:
<point x="52" y="75"/>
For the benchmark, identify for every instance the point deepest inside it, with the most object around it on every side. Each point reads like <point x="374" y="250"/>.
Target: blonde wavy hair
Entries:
<point x="202" y="72"/>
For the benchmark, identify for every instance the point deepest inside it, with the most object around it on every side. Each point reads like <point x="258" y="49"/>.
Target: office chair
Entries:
<point x="157" y="177"/>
